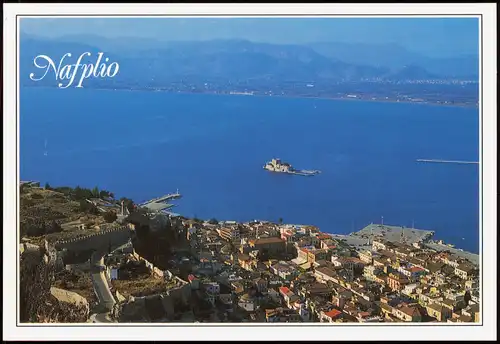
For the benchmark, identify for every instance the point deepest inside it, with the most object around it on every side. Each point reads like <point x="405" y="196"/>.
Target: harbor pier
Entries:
<point x="448" y="161"/>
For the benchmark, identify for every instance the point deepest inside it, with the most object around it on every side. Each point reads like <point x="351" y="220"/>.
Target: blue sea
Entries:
<point x="212" y="148"/>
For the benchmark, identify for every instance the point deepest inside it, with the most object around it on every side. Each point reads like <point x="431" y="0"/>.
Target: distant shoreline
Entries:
<point x="276" y="96"/>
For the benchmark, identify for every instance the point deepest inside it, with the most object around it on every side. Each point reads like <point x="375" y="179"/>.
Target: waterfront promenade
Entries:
<point x="474" y="258"/>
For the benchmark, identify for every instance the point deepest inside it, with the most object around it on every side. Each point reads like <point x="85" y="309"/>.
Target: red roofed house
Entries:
<point x="284" y="291"/>
<point x="322" y="236"/>
<point x="289" y="296"/>
<point x="330" y="316"/>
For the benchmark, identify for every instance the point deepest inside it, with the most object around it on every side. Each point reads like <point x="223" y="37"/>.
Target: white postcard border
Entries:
<point x="240" y="331"/>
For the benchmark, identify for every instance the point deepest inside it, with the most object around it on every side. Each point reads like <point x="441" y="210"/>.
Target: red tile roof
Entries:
<point x="284" y="290"/>
<point x="416" y="269"/>
<point x="333" y="313"/>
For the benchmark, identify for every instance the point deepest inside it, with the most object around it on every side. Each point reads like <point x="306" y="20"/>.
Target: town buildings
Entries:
<point x="259" y="271"/>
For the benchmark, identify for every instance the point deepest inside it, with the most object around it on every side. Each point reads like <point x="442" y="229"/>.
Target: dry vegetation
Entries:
<point x="36" y="302"/>
<point x="77" y="282"/>
<point x="42" y="212"/>
<point x="136" y="280"/>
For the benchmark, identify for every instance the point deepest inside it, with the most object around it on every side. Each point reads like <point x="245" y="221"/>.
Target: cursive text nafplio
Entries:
<point x="68" y="74"/>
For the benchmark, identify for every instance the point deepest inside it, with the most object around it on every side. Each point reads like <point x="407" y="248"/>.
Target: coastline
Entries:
<point x="425" y="238"/>
<point x="473" y="257"/>
<point x="359" y="237"/>
<point x="277" y="96"/>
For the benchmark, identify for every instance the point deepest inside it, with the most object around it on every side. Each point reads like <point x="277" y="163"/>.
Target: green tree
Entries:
<point x="36" y="196"/>
<point x="84" y="205"/>
<point x="88" y="207"/>
<point x="110" y="216"/>
<point x="66" y="190"/>
<point x="106" y="194"/>
<point x="82" y="193"/>
<point x="47" y="186"/>
<point x="213" y="221"/>
<point x="95" y="192"/>
<point x="280" y="220"/>
<point x="54" y="227"/>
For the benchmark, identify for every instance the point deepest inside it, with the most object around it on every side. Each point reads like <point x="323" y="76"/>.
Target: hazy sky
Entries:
<point x="431" y="36"/>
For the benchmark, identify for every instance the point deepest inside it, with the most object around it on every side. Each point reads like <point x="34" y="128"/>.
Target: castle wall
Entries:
<point x="98" y="240"/>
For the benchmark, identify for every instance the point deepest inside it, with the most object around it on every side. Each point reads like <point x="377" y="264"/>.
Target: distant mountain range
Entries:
<point x="234" y="61"/>
<point x="396" y="57"/>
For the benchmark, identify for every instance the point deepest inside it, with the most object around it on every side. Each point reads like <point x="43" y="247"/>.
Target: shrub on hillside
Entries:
<point x="36" y="196"/>
<point x="110" y="216"/>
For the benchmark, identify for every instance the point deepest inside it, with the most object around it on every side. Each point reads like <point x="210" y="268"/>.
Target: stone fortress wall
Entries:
<point x="115" y="237"/>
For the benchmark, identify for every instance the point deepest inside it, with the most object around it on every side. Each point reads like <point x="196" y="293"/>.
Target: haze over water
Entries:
<point x="212" y="148"/>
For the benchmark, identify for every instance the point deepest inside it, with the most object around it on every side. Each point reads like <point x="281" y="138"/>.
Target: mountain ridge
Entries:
<point x="234" y="60"/>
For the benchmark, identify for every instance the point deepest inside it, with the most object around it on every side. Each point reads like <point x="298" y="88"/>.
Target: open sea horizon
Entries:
<point x="212" y="148"/>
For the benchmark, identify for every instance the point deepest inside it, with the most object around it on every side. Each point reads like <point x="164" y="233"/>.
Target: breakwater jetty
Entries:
<point x="161" y="199"/>
<point x="303" y="172"/>
<point x="159" y="203"/>
<point x="448" y="161"/>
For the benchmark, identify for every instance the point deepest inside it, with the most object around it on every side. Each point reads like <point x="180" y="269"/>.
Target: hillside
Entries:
<point x="45" y="213"/>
